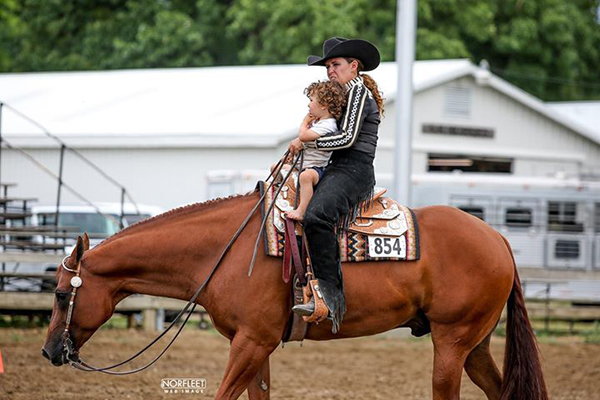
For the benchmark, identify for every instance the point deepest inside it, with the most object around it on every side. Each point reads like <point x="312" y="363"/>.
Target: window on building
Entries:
<point x="597" y="218"/>
<point x="457" y="162"/>
<point x="566" y="249"/>
<point x="474" y="211"/>
<point x="518" y="217"/>
<point x="562" y="217"/>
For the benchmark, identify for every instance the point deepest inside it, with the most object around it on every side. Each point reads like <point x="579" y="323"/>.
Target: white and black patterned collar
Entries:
<point x="354" y="82"/>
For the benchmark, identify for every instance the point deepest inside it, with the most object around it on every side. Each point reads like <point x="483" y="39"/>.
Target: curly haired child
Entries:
<point x="327" y="101"/>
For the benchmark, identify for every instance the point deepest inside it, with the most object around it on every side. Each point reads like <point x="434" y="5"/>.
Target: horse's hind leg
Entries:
<point x="453" y="343"/>
<point x="260" y="386"/>
<point x="482" y="369"/>
<point x="246" y="357"/>
<point x="448" y="361"/>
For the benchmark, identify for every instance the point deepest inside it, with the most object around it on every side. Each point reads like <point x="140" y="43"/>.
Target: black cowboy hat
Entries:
<point x="360" y="49"/>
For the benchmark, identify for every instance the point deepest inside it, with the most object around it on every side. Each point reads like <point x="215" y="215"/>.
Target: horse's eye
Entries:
<point x="61" y="297"/>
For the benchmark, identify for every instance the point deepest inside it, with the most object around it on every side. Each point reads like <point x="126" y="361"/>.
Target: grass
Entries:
<point x="23" y="321"/>
<point x="592" y="337"/>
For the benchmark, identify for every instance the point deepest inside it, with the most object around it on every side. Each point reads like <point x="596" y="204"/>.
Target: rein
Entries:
<point x="72" y="356"/>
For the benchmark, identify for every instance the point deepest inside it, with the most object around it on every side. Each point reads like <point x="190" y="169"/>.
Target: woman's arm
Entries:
<point x="350" y="124"/>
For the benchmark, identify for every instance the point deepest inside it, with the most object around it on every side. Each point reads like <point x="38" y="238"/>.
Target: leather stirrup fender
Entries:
<point x="291" y="255"/>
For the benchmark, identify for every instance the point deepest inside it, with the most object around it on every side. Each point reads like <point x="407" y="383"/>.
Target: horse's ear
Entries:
<point x="78" y="250"/>
<point x="86" y="241"/>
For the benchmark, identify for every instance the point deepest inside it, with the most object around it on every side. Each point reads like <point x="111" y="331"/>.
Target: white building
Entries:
<point x="165" y="134"/>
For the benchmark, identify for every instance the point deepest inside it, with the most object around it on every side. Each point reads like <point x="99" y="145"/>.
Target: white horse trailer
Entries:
<point x="550" y="222"/>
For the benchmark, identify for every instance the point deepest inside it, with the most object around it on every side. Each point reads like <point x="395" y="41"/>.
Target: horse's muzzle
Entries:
<point x="56" y="360"/>
<point x="55" y="353"/>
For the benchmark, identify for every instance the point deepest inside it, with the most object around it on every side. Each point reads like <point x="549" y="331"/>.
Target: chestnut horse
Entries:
<point x="461" y="284"/>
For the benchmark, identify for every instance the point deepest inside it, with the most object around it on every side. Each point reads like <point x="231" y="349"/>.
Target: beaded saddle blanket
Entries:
<point x="385" y="229"/>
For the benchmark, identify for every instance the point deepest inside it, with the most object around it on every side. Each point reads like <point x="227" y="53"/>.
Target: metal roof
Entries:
<point x="251" y="106"/>
<point x="586" y="113"/>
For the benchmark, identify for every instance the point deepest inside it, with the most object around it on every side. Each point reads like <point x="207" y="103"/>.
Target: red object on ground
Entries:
<point x="1" y="363"/>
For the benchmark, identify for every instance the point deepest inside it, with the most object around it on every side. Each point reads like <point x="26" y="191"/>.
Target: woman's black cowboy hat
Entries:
<point x="360" y="49"/>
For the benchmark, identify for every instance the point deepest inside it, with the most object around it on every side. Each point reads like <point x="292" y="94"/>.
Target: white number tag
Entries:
<point x="386" y="246"/>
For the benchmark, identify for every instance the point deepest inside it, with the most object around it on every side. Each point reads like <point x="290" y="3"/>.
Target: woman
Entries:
<point x="349" y="178"/>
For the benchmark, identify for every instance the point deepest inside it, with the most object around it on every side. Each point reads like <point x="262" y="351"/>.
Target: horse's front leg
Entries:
<point x="248" y="355"/>
<point x="260" y="386"/>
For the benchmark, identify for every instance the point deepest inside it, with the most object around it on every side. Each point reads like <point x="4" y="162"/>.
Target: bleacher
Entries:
<point x="23" y="243"/>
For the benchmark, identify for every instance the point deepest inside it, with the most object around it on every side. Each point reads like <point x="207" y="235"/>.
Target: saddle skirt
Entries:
<point x="385" y="229"/>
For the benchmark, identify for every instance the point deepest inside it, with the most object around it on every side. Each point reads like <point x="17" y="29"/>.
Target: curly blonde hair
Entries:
<point x="330" y="95"/>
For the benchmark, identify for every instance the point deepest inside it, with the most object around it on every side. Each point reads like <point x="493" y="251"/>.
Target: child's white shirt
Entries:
<point x="312" y="156"/>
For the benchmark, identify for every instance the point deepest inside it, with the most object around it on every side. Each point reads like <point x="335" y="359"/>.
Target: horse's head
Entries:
<point x="72" y="324"/>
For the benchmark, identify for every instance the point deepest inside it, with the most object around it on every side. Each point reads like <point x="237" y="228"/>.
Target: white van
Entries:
<point x="99" y="222"/>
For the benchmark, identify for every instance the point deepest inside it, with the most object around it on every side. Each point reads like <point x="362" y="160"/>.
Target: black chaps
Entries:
<point x="348" y="180"/>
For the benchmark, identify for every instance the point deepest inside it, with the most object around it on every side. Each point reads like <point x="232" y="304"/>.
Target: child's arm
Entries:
<point x="296" y="145"/>
<point x="308" y="135"/>
<point x="305" y="134"/>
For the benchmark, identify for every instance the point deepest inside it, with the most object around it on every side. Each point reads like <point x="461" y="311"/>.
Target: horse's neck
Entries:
<point x="172" y="256"/>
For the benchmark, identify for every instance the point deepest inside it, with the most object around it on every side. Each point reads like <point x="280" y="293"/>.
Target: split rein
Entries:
<point x="72" y="356"/>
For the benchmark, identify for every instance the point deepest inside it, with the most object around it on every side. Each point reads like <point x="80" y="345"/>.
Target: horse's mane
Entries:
<point x="175" y="212"/>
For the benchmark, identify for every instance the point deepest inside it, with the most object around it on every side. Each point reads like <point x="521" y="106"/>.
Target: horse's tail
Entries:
<point x="522" y="376"/>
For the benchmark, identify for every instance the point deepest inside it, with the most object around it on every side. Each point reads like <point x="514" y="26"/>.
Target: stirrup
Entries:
<point x="313" y="292"/>
<point x="305" y="310"/>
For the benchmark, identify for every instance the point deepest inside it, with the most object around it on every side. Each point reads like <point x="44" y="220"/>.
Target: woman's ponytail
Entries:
<point x="371" y="85"/>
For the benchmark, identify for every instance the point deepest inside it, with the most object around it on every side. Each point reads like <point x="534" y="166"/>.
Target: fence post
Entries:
<point x="1" y="104"/>
<point x="122" y="207"/>
<point x="547" y="322"/>
<point x="60" y="181"/>
<point x="3" y="220"/>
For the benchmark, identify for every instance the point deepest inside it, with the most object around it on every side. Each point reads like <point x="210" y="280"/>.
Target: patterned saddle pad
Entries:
<point x="386" y="230"/>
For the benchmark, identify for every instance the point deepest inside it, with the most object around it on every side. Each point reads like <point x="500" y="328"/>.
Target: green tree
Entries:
<point x="548" y="47"/>
<point x="11" y="26"/>
<point x="109" y="34"/>
<point x="285" y="31"/>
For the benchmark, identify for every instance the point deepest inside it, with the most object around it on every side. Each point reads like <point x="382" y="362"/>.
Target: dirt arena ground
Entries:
<point x="381" y="367"/>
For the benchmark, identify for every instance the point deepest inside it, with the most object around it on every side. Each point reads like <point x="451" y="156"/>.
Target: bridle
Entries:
<point x="76" y="282"/>
<point x="71" y="355"/>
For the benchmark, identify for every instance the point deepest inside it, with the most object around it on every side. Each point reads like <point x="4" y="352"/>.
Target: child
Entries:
<point x="327" y="100"/>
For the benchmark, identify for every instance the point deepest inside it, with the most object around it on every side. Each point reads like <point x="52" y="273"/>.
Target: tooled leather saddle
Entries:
<point x="385" y="229"/>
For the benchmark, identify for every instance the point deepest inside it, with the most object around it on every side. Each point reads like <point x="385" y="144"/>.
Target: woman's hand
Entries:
<point x="295" y="146"/>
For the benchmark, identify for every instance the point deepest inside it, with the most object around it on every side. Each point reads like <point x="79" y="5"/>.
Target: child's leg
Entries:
<point x="308" y="180"/>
